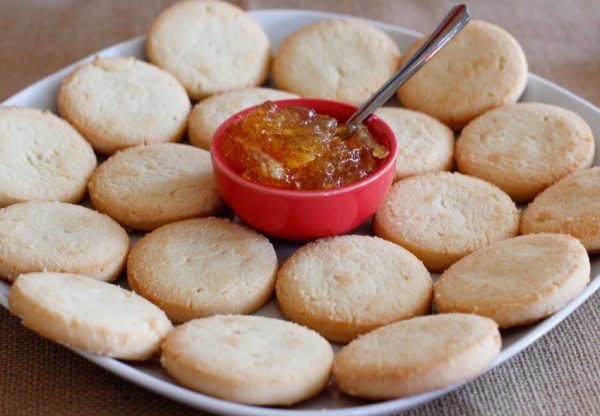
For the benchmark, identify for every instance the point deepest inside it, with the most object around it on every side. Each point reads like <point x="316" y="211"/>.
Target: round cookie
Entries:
<point x="417" y="355"/>
<point x="210" y="47"/>
<point x="59" y="237"/>
<point x="441" y="217"/>
<point x="570" y="206"/>
<point x="424" y="144"/>
<point x="524" y="148"/>
<point x="248" y="359"/>
<point x="342" y="60"/>
<point x="516" y="281"/>
<point x="349" y="285"/>
<point x="482" y="68"/>
<point x="202" y="267"/>
<point x="144" y="187"/>
<point x="210" y="113"/>
<point x="89" y="315"/>
<point x="41" y="158"/>
<point x="122" y="102"/>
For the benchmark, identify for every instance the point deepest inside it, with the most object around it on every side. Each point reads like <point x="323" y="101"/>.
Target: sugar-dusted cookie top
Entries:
<point x="524" y="148"/>
<point x="417" y="355"/>
<point x="441" y="217"/>
<point x="209" y="46"/>
<point x="41" y="158"/>
<point x="424" y="144"/>
<point x="341" y="60"/>
<point x="516" y="281"/>
<point x="59" y="237"/>
<point x="89" y="315"/>
<point x="482" y="68"/>
<point x="346" y="286"/>
<point x="248" y="359"/>
<point x="144" y="187"/>
<point x="120" y="102"/>
<point x="570" y="206"/>
<point x="202" y="267"/>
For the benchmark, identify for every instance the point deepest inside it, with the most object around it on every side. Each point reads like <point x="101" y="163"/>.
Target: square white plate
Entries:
<point x="278" y="25"/>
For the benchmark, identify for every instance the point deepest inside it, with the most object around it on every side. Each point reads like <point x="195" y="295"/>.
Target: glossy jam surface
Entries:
<point x="296" y="148"/>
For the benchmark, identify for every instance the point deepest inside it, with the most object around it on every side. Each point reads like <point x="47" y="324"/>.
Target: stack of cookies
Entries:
<point x="208" y="274"/>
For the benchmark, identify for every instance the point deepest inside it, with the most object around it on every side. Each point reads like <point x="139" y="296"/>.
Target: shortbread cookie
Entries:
<point x="248" y="359"/>
<point x="145" y="187"/>
<point x="417" y="355"/>
<point x="121" y="102"/>
<point x="89" y="315"/>
<point x="202" y="267"/>
<point x="210" y="113"/>
<point x="210" y="47"/>
<point x="59" y="237"/>
<point x="341" y="60"/>
<point x="346" y="286"/>
<point x="570" y="206"/>
<point x="424" y="144"/>
<point x="524" y="148"/>
<point x="41" y="158"/>
<point x="482" y="68"/>
<point x="516" y="281"/>
<point x="441" y="217"/>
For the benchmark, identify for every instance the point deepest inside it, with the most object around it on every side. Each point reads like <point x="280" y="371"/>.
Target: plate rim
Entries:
<point x="176" y="392"/>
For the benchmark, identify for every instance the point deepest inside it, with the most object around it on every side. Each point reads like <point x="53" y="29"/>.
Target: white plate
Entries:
<point x="279" y="24"/>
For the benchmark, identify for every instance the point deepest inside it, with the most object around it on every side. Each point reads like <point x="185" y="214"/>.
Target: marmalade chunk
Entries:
<point x="297" y="148"/>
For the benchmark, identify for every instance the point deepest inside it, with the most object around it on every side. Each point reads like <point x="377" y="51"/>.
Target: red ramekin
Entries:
<point x="307" y="214"/>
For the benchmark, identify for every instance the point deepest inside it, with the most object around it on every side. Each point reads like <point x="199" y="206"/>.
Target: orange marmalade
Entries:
<point x="296" y="148"/>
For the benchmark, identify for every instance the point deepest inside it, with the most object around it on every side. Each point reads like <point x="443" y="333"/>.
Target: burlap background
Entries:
<point x="559" y="375"/>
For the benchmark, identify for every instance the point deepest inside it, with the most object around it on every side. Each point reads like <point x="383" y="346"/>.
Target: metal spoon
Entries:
<point x="453" y="23"/>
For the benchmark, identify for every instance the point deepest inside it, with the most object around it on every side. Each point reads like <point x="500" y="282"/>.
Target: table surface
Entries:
<point x="560" y="374"/>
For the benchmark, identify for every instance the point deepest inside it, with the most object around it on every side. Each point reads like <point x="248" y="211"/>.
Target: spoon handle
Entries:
<point x="453" y="23"/>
